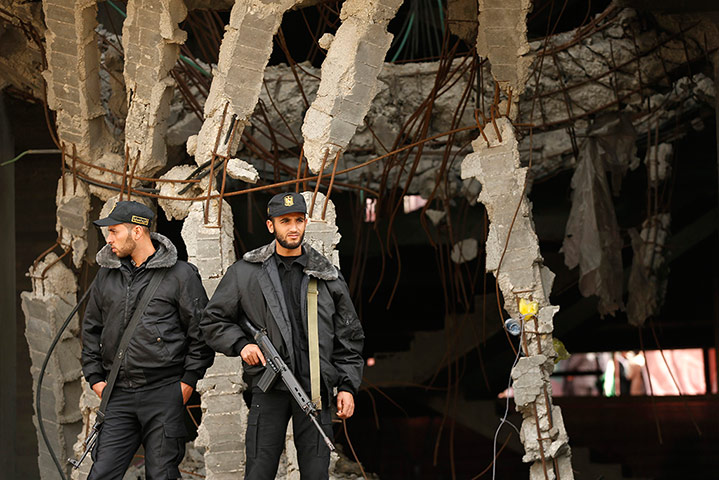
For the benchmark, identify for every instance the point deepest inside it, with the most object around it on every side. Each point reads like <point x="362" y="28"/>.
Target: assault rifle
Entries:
<point x="277" y="367"/>
<point x="89" y="442"/>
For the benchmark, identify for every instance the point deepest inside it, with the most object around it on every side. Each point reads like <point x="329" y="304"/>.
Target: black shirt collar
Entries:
<point x="301" y="259"/>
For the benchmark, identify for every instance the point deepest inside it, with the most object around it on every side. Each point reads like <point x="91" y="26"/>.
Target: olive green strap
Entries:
<point x="314" y="345"/>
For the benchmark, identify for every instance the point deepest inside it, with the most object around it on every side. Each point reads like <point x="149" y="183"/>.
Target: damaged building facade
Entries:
<point x="491" y="176"/>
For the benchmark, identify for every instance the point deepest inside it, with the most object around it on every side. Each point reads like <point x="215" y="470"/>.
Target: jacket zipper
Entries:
<point x="125" y="322"/>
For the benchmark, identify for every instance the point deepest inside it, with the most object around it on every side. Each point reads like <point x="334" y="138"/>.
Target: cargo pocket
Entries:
<point x="174" y="448"/>
<point x="253" y="420"/>
<point x="325" y="421"/>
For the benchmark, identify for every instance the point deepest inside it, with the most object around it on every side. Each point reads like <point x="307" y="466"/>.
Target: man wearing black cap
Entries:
<point x="165" y="356"/>
<point x="270" y="286"/>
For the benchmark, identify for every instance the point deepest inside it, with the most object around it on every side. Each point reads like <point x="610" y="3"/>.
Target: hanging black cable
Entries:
<point x="38" y="395"/>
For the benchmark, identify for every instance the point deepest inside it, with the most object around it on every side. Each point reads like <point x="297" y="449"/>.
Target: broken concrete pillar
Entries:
<point x="209" y="245"/>
<point x="151" y="40"/>
<point x="237" y="80"/>
<point x="224" y="419"/>
<point x="502" y="38"/>
<point x="349" y="79"/>
<point x="72" y="75"/>
<point x="52" y="298"/>
<point x="513" y="256"/>
<point x="73" y="210"/>
<point x="322" y="234"/>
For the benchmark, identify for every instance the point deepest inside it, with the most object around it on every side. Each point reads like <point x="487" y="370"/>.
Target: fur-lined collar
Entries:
<point x="317" y="264"/>
<point x="165" y="255"/>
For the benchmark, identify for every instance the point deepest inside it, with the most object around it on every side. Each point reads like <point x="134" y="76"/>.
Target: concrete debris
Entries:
<point x="435" y="216"/>
<point x="514" y="258"/>
<point x="209" y="248"/>
<point x="592" y="240"/>
<point x="151" y="38"/>
<point x="45" y="308"/>
<point x="178" y="209"/>
<point x="349" y="79"/>
<point x="464" y="250"/>
<point x="555" y="445"/>
<point x="650" y="271"/>
<point x="326" y="41"/>
<point x="321" y="233"/>
<point x="237" y="80"/>
<point x="73" y="81"/>
<point x="111" y="161"/>
<point x="528" y="379"/>
<point x="502" y="37"/>
<point x="73" y="209"/>
<point x="241" y="170"/>
<point x="658" y="161"/>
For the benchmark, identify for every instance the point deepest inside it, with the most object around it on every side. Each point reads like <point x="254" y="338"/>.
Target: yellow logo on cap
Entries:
<point x="139" y="220"/>
<point x="289" y="201"/>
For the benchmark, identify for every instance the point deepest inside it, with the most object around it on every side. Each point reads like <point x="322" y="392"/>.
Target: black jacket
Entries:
<point x="166" y="344"/>
<point x="252" y="287"/>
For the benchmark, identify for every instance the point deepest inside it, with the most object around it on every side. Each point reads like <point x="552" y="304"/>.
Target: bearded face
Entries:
<point x="289" y="229"/>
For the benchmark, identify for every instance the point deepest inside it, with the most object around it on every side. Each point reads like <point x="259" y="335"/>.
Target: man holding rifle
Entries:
<point x="295" y="296"/>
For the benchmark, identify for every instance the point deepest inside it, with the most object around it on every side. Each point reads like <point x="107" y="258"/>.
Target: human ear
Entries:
<point x="270" y="226"/>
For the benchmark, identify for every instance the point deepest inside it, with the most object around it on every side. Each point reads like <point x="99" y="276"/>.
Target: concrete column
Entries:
<point x="7" y="299"/>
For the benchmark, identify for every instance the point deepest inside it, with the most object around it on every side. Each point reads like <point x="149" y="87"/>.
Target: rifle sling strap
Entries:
<point x="149" y="293"/>
<point x="313" y="341"/>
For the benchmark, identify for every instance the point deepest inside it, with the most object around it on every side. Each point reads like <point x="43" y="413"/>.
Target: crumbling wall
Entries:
<point x="513" y="256"/>
<point x="51" y="300"/>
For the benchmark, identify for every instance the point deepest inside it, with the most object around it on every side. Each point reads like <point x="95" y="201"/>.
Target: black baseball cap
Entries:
<point x="127" y="212"/>
<point x="284" y="203"/>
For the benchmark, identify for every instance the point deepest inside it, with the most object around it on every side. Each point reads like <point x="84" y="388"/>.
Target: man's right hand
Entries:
<point x="252" y="355"/>
<point x="98" y="388"/>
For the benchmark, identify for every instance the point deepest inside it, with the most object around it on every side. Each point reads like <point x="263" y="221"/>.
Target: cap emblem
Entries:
<point x="289" y="201"/>
<point x="140" y="220"/>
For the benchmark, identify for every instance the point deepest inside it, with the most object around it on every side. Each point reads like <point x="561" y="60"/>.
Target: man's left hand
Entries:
<point x="186" y="392"/>
<point x="345" y="405"/>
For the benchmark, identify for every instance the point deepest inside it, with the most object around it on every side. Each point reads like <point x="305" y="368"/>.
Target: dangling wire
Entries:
<point x="38" y="395"/>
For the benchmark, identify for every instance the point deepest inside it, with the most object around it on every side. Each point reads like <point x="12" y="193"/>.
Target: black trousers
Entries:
<point x="266" y="427"/>
<point x="153" y="418"/>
